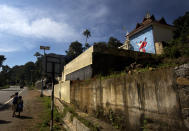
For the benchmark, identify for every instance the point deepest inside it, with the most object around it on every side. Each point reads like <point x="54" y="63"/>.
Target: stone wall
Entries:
<point x="182" y="74"/>
<point x="159" y="48"/>
<point x="153" y="95"/>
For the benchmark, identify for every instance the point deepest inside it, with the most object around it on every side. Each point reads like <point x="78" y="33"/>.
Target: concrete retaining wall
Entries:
<point x="70" y="125"/>
<point x="62" y="91"/>
<point x="160" y="96"/>
<point x="153" y="95"/>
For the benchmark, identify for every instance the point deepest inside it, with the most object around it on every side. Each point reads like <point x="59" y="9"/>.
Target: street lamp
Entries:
<point x="44" y="48"/>
<point x="37" y="54"/>
<point x="31" y="79"/>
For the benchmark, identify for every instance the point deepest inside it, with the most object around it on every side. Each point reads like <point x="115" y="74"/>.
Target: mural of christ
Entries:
<point x="142" y="45"/>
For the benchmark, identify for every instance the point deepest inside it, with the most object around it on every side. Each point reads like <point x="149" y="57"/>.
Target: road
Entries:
<point x="5" y="94"/>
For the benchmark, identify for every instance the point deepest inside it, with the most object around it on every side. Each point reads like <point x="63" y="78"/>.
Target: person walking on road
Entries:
<point x="20" y="105"/>
<point x="14" y="104"/>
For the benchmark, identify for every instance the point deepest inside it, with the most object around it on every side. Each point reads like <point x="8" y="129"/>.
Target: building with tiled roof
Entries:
<point x="149" y="35"/>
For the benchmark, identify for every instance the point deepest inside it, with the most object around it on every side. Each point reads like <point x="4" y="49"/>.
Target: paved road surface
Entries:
<point x="5" y="94"/>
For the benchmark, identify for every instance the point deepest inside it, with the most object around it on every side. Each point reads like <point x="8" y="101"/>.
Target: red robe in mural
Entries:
<point x="142" y="45"/>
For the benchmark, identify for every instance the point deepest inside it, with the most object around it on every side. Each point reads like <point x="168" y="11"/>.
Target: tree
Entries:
<point x="87" y="33"/>
<point x="74" y="50"/>
<point x="182" y="27"/>
<point x="17" y="74"/>
<point x="3" y="78"/>
<point x="86" y="46"/>
<point x="178" y="47"/>
<point x="101" y="44"/>
<point x="4" y="75"/>
<point x="2" y="59"/>
<point x="29" y="70"/>
<point x="5" y="69"/>
<point x="114" y="43"/>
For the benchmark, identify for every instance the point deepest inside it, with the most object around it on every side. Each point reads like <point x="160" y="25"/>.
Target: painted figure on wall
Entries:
<point x="142" y="45"/>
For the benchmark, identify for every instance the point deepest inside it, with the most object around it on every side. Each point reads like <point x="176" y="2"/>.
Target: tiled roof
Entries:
<point x="146" y="23"/>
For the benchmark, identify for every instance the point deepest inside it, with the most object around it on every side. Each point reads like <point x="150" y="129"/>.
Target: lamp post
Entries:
<point x="37" y="54"/>
<point x="45" y="64"/>
<point x="31" y="79"/>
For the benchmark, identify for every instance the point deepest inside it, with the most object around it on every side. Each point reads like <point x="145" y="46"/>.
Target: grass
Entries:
<point x="116" y="120"/>
<point x="142" y="69"/>
<point x="167" y="65"/>
<point x="4" y="87"/>
<point x="46" y="117"/>
<point x="112" y="75"/>
<point x="30" y="87"/>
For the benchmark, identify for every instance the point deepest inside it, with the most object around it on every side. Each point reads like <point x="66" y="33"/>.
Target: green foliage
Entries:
<point x="87" y="33"/>
<point x="99" y="112"/>
<point x="114" y="43"/>
<point x="144" y="125"/>
<point x="20" y="75"/>
<point x="179" y="46"/>
<point x="31" y="87"/>
<point x="86" y="46"/>
<point x="5" y="69"/>
<point x="45" y="125"/>
<point x="74" y="50"/>
<point x="2" y="59"/>
<point x="4" y="87"/>
<point x="101" y="44"/>
<point x="167" y="65"/>
<point x="176" y="50"/>
<point x="4" y="75"/>
<point x="182" y="27"/>
<point x="145" y="69"/>
<point x="116" y="120"/>
<point x="171" y="52"/>
<point x="74" y="114"/>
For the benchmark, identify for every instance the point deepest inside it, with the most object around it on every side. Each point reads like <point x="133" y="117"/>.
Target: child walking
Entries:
<point x="20" y="105"/>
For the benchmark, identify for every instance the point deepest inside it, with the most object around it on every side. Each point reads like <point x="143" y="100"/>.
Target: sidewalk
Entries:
<point x="30" y="117"/>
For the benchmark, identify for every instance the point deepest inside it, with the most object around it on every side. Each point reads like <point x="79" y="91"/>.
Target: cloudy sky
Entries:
<point x="27" y="24"/>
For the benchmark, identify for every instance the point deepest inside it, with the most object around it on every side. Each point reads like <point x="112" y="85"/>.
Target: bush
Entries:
<point x="172" y="52"/>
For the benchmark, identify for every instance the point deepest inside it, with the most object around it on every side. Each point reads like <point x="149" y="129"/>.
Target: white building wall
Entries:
<point x="79" y="62"/>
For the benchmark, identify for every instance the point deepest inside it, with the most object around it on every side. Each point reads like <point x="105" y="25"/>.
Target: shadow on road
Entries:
<point x="24" y="117"/>
<point x="4" y="107"/>
<point x="4" y="122"/>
